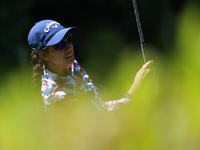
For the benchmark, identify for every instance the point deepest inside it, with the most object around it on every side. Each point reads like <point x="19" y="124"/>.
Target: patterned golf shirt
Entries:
<point x="73" y="87"/>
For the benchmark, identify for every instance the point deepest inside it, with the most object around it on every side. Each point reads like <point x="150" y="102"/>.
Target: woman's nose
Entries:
<point x="68" y="46"/>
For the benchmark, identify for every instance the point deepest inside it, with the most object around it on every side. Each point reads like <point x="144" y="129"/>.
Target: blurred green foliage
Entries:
<point x="170" y="120"/>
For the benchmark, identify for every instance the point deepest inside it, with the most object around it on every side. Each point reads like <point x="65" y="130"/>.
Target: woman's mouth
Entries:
<point x="69" y="55"/>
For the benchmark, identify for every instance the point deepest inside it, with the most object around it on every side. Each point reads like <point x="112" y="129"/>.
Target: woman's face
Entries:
<point x="58" y="61"/>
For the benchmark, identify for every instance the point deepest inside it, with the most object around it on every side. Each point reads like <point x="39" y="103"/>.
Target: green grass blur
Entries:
<point x="167" y="121"/>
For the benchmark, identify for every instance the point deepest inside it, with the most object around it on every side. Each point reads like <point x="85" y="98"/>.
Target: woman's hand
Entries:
<point x="142" y="73"/>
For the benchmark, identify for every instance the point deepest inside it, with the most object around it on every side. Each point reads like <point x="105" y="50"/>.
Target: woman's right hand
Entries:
<point x="142" y="73"/>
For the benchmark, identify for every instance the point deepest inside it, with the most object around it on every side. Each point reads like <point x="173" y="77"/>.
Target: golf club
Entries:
<point x="139" y="29"/>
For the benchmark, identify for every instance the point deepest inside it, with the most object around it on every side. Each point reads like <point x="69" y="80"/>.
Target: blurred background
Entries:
<point x="107" y="46"/>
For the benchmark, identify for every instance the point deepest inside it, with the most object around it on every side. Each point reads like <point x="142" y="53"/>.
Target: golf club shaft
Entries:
<point x="139" y="29"/>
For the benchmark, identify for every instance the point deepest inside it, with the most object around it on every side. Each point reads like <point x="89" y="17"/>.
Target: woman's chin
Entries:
<point x="70" y="59"/>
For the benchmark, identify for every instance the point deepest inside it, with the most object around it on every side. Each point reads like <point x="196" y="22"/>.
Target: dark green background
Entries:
<point x="98" y="22"/>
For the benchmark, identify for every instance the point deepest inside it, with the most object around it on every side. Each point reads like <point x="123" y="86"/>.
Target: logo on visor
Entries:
<point x="52" y="24"/>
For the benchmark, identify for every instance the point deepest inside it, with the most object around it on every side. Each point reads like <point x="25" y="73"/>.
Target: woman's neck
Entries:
<point x="58" y="70"/>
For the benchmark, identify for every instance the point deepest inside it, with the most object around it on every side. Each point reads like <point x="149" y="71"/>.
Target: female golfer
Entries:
<point x="64" y="81"/>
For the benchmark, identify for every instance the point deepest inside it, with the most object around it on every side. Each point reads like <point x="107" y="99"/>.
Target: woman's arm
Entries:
<point x="141" y="74"/>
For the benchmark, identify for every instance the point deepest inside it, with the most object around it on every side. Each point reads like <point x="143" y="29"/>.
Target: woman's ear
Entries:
<point x="43" y="55"/>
